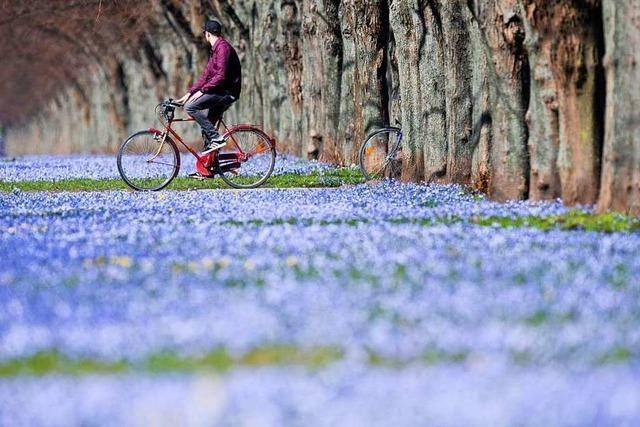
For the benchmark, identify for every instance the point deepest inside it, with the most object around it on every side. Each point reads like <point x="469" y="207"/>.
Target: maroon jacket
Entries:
<point x="223" y="73"/>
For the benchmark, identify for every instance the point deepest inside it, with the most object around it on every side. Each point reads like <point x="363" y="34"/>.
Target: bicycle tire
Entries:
<point x="376" y="164"/>
<point x="257" y="168"/>
<point x="134" y="169"/>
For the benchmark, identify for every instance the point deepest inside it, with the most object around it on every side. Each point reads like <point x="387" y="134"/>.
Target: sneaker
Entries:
<point x="213" y="144"/>
<point x="196" y="175"/>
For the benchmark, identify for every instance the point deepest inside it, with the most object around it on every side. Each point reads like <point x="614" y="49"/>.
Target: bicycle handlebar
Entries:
<point x="166" y="110"/>
<point x="170" y="103"/>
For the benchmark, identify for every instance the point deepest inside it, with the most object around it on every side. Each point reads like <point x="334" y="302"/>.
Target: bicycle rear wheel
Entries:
<point x="248" y="159"/>
<point x="146" y="163"/>
<point x="379" y="156"/>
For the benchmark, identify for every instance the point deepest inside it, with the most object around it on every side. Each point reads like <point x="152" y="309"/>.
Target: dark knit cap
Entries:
<point x="212" y="26"/>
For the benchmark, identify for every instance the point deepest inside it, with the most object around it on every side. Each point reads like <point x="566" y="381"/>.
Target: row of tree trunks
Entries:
<point x="621" y="162"/>
<point x="463" y="70"/>
<point x="505" y="95"/>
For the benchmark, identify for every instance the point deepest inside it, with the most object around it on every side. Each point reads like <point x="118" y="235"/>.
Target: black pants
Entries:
<point x="207" y="109"/>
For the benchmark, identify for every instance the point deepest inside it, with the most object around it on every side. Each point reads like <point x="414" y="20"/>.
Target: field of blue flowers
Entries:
<point x="366" y="305"/>
<point x="57" y="168"/>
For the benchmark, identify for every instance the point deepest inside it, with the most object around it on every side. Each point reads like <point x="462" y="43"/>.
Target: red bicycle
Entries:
<point x="149" y="160"/>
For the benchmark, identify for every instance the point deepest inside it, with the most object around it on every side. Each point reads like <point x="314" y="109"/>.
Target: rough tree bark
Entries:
<point x="501" y="37"/>
<point x="542" y="119"/>
<point x="291" y="17"/>
<point x="365" y="28"/>
<point x="455" y="20"/>
<point x="322" y="79"/>
<point x="621" y="164"/>
<point x="417" y="30"/>
<point x="565" y="48"/>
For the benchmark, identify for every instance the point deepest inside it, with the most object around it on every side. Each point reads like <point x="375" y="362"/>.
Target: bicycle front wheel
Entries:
<point x="146" y="162"/>
<point x="380" y="155"/>
<point x="248" y="158"/>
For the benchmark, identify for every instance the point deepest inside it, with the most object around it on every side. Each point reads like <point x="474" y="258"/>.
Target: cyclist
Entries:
<point x="218" y="87"/>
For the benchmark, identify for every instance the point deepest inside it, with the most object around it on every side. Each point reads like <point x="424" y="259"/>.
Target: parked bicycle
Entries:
<point x="380" y="155"/>
<point x="149" y="160"/>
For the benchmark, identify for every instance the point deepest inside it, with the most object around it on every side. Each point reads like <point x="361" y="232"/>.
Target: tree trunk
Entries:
<point x="418" y="35"/>
<point x="365" y="22"/>
<point x="621" y="165"/>
<point x="570" y="43"/>
<point x="322" y="79"/>
<point x="456" y="20"/>
<point x="542" y="119"/>
<point x="507" y="74"/>
<point x="292" y="54"/>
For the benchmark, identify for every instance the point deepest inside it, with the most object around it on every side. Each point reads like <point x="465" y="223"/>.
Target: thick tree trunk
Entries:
<point x="621" y="165"/>
<point x="569" y="47"/>
<point x="507" y="74"/>
<point x="418" y="35"/>
<point x="322" y="79"/>
<point x="542" y="119"/>
<point x="456" y="20"/>
<point x="291" y="16"/>
<point x="365" y="25"/>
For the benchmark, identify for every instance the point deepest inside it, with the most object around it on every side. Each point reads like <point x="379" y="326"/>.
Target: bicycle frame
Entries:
<point x="205" y="164"/>
<point x="168" y="129"/>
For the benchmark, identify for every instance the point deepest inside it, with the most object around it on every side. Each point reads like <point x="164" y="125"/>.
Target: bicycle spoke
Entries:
<point x="161" y="163"/>
<point x="252" y="159"/>
<point x="377" y="159"/>
<point x="381" y="169"/>
<point x="146" y="163"/>
<point x="261" y="148"/>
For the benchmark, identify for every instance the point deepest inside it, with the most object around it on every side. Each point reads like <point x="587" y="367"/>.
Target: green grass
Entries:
<point x="334" y="178"/>
<point x="617" y="355"/>
<point x="428" y="357"/>
<point x="52" y="362"/>
<point x="572" y="220"/>
<point x="220" y="360"/>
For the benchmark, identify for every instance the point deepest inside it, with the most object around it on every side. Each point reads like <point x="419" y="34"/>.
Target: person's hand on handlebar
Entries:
<point x="186" y="98"/>
<point x="182" y="100"/>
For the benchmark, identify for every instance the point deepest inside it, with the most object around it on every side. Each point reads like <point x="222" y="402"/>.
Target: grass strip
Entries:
<point x="333" y="178"/>
<point x="53" y="362"/>
<point x="220" y="360"/>
<point x="572" y="220"/>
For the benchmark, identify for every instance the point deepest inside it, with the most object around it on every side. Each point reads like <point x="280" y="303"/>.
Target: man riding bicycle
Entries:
<point x="218" y="87"/>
